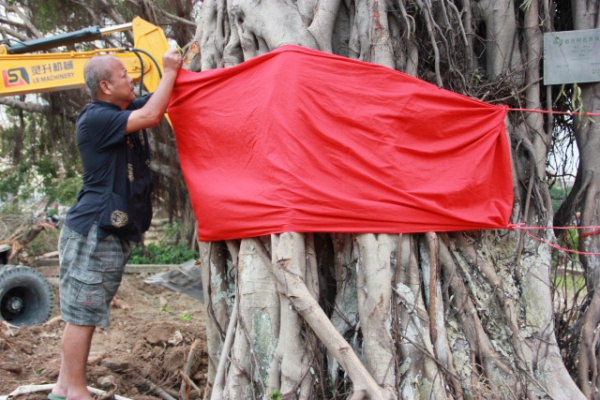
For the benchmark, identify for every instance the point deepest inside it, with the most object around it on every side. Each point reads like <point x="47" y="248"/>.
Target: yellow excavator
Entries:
<point x="24" y="70"/>
<point x="26" y="297"/>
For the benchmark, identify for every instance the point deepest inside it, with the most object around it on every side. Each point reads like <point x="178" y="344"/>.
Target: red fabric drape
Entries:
<point x="305" y="141"/>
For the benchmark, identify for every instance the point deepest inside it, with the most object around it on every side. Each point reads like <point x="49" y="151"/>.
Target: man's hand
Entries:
<point x="151" y="113"/>
<point x="171" y="60"/>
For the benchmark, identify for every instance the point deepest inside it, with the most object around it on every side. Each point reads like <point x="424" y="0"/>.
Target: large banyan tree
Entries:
<point x="437" y="315"/>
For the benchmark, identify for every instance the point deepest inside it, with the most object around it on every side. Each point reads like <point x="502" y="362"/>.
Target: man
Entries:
<point x="113" y="207"/>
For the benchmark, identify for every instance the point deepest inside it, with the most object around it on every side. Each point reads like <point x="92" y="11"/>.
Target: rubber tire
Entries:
<point x="32" y="292"/>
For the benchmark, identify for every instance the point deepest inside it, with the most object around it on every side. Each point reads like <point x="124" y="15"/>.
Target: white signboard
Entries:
<point x="572" y="57"/>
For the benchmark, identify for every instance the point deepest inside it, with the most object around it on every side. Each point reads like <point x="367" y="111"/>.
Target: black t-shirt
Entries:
<point x="112" y="161"/>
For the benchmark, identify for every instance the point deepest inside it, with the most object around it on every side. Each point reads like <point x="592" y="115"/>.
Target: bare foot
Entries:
<point x="118" y="303"/>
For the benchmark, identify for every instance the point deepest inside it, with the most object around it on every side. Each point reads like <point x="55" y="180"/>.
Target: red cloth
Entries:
<point x="305" y="141"/>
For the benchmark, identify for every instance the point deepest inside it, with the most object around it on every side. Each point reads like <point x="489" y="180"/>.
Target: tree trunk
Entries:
<point x="380" y="316"/>
<point x="585" y="197"/>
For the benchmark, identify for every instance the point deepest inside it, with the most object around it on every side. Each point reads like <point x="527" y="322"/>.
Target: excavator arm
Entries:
<point x="25" y="72"/>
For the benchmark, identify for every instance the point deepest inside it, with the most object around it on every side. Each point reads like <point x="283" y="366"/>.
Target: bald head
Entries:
<point x="98" y="69"/>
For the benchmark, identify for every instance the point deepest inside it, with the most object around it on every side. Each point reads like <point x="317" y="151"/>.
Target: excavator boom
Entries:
<point x="24" y="72"/>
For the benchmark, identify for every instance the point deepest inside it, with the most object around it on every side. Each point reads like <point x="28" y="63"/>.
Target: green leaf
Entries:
<point x="187" y="317"/>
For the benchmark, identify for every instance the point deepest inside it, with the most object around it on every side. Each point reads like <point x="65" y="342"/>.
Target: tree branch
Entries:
<point x="176" y="18"/>
<point x="219" y="384"/>
<point x="432" y="242"/>
<point x="9" y="22"/>
<point x="26" y="20"/>
<point x="374" y="273"/>
<point x="25" y="106"/>
<point x="323" y="22"/>
<point x="430" y="29"/>
<point x="6" y="31"/>
<point x="285" y="270"/>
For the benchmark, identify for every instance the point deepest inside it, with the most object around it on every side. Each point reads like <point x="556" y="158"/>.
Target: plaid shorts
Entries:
<point x="91" y="270"/>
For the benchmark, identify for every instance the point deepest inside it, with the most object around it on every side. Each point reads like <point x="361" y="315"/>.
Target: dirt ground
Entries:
<point x="146" y="347"/>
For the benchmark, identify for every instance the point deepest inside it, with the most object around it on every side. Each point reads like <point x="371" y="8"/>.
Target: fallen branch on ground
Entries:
<point x="48" y="387"/>
<point x="185" y="382"/>
<point x="157" y="389"/>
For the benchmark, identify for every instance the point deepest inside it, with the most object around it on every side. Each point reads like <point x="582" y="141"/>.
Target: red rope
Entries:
<point x="580" y="114"/>
<point x="526" y="229"/>
<point x="597" y="231"/>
